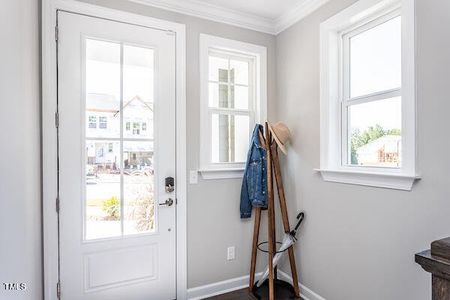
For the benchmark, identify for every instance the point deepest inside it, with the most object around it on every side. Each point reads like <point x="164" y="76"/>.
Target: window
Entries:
<point x="144" y="126"/>
<point x="92" y="122"/>
<point x="136" y="128"/>
<point x="233" y="100"/>
<point x="371" y="104"/>
<point x="127" y="126"/>
<point x="102" y="122"/>
<point x="367" y="95"/>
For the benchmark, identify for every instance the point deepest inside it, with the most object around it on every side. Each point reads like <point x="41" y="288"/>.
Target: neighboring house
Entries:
<point x="103" y="121"/>
<point x="384" y="151"/>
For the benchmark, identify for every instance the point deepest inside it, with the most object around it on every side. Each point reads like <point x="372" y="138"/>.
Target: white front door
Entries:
<point x="116" y="101"/>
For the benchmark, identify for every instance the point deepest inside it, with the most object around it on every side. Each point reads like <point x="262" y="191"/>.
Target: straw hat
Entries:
<point x="281" y="134"/>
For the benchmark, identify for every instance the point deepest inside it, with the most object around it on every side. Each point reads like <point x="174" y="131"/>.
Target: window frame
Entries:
<point x="333" y="75"/>
<point x="257" y="56"/>
<point x="345" y="85"/>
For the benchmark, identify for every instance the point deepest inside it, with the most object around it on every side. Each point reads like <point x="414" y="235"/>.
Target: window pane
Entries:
<point x="138" y="90"/>
<point x="230" y="138"/>
<point x="239" y="72"/>
<point x="218" y="69"/>
<point x="102" y="189"/>
<point x="139" y="197"/>
<point x="375" y="59"/>
<point x="375" y="133"/>
<point x="239" y="97"/>
<point x="218" y="95"/>
<point x="102" y="89"/>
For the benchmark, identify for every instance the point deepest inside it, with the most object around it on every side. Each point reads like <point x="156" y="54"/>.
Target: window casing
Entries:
<point x="233" y="99"/>
<point x="357" y="88"/>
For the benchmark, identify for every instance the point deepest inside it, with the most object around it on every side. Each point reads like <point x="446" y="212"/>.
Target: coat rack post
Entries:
<point x="254" y="247"/>
<point x="285" y="217"/>
<point x="270" y="207"/>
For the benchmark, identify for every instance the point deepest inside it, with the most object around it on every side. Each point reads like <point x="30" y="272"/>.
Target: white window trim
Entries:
<point x="331" y="152"/>
<point x="207" y="42"/>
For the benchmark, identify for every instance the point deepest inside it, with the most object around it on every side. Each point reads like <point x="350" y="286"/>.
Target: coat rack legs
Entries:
<point x="254" y="247"/>
<point x="285" y="217"/>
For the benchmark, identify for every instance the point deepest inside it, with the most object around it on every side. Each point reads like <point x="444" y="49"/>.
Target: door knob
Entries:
<point x="168" y="202"/>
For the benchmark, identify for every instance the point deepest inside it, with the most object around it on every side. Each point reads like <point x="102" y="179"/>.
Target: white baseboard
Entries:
<point x="305" y="292"/>
<point x="218" y="288"/>
<point x="226" y="286"/>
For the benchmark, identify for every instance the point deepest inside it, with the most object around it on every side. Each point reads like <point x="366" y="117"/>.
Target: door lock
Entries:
<point x="168" y="202"/>
<point x="170" y="184"/>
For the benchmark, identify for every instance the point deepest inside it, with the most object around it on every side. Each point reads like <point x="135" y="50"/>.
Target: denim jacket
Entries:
<point x="254" y="185"/>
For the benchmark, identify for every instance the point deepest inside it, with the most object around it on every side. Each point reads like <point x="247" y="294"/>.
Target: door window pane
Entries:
<point x="138" y="89"/>
<point x="119" y="169"/>
<point x="102" y="206"/>
<point x="139" y="196"/>
<point x="375" y="59"/>
<point x="230" y="136"/>
<point x="375" y="133"/>
<point x="102" y="89"/>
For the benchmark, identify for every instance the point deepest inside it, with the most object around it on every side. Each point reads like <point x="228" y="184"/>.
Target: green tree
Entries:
<point x="372" y="133"/>
<point x="111" y="207"/>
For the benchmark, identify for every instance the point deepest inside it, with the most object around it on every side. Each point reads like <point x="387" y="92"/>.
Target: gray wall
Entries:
<point x="20" y="201"/>
<point x="359" y="242"/>
<point x="213" y="205"/>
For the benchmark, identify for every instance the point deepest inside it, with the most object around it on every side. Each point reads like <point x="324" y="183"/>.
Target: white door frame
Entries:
<point x="49" y="136"/>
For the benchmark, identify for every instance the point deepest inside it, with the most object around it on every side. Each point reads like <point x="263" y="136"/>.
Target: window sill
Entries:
<point x="230" y="173"/>
<point x="382" y="180"/>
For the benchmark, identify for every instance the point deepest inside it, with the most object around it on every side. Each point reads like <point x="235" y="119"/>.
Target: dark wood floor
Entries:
<point x="240" y="295"/>
<point x="236" y="295"/>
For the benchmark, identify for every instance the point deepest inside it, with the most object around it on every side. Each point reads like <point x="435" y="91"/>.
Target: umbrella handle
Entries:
<point x="300" y="218"/>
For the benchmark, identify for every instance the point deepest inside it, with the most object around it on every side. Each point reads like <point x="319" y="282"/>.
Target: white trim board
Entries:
<point x="219" y="288"/>
<point x="305" y="293"/>
<point x="204" y="10"/>
<point x="226" y="286"/>
<point x="50" y="231"/>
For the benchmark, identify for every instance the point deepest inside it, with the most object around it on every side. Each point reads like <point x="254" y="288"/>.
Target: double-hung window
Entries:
<point x="367" y="95"/>
<point x="233" y="100"/>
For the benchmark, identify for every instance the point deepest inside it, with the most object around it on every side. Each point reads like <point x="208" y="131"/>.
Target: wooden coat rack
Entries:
<point x="273" y="170"/>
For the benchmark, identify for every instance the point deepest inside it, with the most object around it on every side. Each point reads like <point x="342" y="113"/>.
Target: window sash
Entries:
<point x="345" y="52"/>
<point x="250" y="112"/>
<point x="344" y="83"/>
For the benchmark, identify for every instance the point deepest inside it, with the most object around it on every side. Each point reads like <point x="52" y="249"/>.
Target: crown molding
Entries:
<point x="300" y="11"/>
<point x="237" y="18"/>
<point x="215" y="13"/>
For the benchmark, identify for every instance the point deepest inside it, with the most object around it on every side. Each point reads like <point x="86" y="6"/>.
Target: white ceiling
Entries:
<point x="269" y="16"/>
<point x="270" y="9"/>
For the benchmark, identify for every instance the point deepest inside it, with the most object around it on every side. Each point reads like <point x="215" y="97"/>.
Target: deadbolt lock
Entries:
<point x="169" y="184"/>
